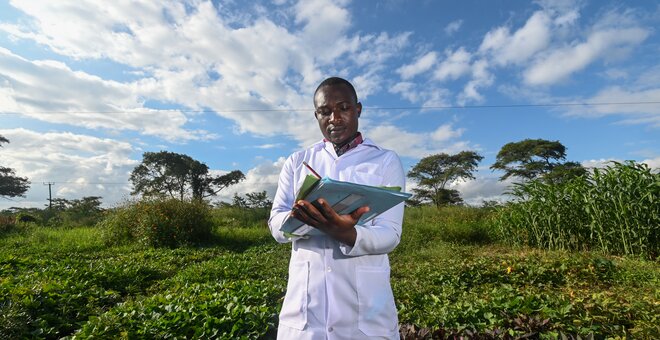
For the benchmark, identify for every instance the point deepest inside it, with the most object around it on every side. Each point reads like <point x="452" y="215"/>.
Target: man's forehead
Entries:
<point x="341" y="88"/>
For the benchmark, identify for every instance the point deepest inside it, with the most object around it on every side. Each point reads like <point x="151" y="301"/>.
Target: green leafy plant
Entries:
<point x="615" y="210"/>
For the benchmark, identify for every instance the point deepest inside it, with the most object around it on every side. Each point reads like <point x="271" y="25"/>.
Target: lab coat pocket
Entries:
<point x="376" y="310"/>
<point x="294" y="309"/>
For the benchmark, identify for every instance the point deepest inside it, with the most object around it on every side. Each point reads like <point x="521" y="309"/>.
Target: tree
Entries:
<point x="254" y="200"/>
<point x="536" y="158"/>
<point x="10" y="184"/>
<point x="432" y="174"/>
<point x="258" y="199"/>
<point x="169" y="174"/>
<point x="84" y="211"/>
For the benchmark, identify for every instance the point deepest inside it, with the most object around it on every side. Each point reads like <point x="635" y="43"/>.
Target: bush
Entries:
<point x="159" y="223"/>
<point x="26" y="218"/>
<point x="7" y="223"/>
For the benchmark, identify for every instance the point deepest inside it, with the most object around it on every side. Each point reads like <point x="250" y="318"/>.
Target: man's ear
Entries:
<point x="359" y="108"/>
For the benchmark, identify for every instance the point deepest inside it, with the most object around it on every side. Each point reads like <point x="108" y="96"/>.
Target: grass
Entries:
<point x="448" y="275"/>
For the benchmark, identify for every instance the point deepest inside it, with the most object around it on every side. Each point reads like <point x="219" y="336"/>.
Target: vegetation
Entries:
<point x="159" y="223"/>
<point x="569" y="256"/>
<point x="449" y="275"/>
<point x="10" y="184"/>
<point x="168" y="174"/>
<point x="614" y="210"/>
<point x="256" y="200"/>
<point x="536" y="158"/>
<point x="85" y="211"/>
<point x="432" y="174"/>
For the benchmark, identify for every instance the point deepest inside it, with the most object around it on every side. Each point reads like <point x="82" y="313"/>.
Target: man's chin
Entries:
<point x="338" y="140"/>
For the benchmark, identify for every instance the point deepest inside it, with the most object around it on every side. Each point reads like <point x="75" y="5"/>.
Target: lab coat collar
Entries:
<point x="321" y="144"/>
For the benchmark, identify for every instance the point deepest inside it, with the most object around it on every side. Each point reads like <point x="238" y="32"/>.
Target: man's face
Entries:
<point x="337" y="113"/>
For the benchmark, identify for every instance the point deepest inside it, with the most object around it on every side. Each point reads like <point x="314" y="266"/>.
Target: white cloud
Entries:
<point x="454" y="66"/>
<point x="630" y="112"/>
<point x="407" y="90"/>
<point x="563" y="62"/>
<point x="79" y="165"/>
<point x="653" y="163"/>
<point x="482" y="188"/>
<point x="319" y="30"/>
<point x="481" y="77"/>
<point x="615" y="73"/>
<point x="262" y="177"/>
<point x="421" y="65"/>
<point x="268" y="146"/>
<point x="453" y="27"/>
<point x="417" y="145"/>
<point x="428" y="96"/>
<point x="193" y="56"/>
<point x="50" y="91"/>
<point x="523" y="44"/>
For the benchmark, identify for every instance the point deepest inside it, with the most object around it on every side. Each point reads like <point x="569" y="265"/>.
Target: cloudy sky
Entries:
<point x="87" y="86"/>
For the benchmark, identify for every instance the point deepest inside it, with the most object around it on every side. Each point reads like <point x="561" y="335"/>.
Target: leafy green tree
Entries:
<point x="84" y="211"/>
<point x="239" y="202"/>
<point x="432" y="174"/>
<point x="169" y="174"/>
<point x="10" y="184"/>
<point x="252" y="200"/>
<point x="258" y="199"/>
<point x="536" y="158"/>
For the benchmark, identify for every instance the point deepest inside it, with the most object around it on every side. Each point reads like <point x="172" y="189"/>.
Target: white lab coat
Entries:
<point x="336" y="291"/>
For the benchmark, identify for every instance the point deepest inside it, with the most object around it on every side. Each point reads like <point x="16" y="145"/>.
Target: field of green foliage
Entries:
<point x="450" y="274"/>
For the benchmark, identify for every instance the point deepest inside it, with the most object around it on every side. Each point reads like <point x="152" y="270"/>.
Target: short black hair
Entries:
<point x="337" y="81"/>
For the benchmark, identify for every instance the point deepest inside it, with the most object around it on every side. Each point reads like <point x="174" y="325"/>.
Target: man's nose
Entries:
<point x="335" y="116"/>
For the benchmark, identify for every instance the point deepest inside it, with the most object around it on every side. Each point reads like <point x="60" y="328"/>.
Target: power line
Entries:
<point x="434" y="107"/>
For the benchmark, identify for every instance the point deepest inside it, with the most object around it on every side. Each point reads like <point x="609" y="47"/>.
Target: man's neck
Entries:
<point x="347" y="145"/>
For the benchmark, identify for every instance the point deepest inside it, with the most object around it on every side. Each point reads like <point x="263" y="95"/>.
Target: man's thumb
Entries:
<point x="359" y="212"/>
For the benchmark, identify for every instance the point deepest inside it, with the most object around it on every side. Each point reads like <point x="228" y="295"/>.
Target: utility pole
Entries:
<point x="50" y="195"/>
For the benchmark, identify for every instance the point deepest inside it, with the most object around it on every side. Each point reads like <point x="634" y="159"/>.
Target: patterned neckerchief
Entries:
<point x="343" y="148"/>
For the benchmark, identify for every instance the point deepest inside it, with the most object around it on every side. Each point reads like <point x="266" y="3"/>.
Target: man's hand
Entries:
<point x="321" y="216"/>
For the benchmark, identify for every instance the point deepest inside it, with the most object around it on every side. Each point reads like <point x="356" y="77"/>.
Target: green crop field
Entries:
<point x="450" y="276"/>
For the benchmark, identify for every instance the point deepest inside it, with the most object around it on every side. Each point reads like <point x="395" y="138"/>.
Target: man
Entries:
<point x="339" y="277"/>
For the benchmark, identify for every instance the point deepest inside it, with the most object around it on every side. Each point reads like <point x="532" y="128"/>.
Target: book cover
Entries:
<point x="344" y="197"/>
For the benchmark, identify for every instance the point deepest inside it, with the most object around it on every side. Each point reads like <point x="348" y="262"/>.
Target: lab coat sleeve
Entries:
<point x="382" y="234"/>
<point x="282" y="202"/>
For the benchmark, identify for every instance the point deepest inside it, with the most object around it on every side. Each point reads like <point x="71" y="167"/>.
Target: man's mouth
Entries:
<point x="337" y="129"/>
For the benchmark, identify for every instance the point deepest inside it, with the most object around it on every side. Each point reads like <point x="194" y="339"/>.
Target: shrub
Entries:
<point x="26" y="218"/>
<point x="7" y="223"/>
<point x="159" y="223"/>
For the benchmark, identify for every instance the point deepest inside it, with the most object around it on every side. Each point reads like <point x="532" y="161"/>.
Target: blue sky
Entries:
<point x="87" y="87"/>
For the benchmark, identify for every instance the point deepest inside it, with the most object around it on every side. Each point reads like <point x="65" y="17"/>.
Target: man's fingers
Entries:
<point x="326" y="209"/>
<point x="311" y="211"/>
<point x="301" y="213"/>
<point x="357" y="213"/>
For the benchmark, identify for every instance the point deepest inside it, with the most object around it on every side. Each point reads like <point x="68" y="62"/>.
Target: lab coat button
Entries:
<point x="330" y="329"/>
<point x="329" y="269"/>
